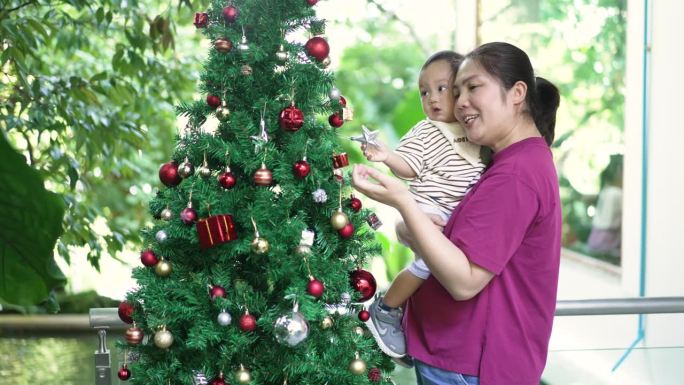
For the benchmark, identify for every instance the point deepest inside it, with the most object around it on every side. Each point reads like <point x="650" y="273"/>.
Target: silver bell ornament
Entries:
<point x="186" y="169"/>
<point x="161" y="236"/>
<point x="243" y="47"/>
<point x="282" y="55"/>
<point x="224" y="318"/>
<point x="291" y="329"/>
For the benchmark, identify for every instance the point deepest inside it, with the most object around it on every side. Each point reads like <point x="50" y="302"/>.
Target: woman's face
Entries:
<point x="483" y="107"/>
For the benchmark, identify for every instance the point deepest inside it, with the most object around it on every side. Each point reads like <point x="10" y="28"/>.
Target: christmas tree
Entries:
<point x="253" y="270"/>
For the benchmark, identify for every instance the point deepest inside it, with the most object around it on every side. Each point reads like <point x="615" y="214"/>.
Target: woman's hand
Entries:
<point x="388" y="190"/>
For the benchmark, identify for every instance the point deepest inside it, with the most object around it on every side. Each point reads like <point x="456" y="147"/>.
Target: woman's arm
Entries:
<point x="462" y="279"/>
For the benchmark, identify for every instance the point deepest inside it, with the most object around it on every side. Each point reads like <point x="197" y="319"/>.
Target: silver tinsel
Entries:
<point x="320" y="196"/>
<point x="199" y="378"/>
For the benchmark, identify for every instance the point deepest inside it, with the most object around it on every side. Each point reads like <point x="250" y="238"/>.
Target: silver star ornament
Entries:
<point x="368" y="137"/>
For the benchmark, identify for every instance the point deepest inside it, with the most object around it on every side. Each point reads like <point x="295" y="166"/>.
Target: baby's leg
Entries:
<point x="405" y="284"/>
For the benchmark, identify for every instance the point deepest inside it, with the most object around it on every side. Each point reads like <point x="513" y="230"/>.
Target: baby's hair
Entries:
<point x="450" y="57"/>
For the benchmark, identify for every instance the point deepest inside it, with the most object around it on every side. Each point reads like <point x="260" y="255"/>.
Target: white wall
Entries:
<point x="665" y="203"/>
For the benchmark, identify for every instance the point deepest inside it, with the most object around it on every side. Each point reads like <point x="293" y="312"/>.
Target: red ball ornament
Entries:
<point x="364" y="315"/>
<point x="343" y="101"/>
<point x="263" y="176"/>
<point x="230" y="14"/>
<point x="188" y="215"/>
<point x="312" y="2"/>
<point x="126" y="311"/>
<point x="148" y="258"/>
<point x="374" y="375"/>
<point x="217" y="291"/>
<point x="363" y="282"/>
<point x="227" y="180"/>
<point x="301" y="169"/>
<point x="168" y="174"/>
<point x="123" y="373"/>
<point x="347" y="231"/>
<point x="355" y="204"/>
<point x="219" y="380"/>
<point x="247" y="322"/>
<point x="291" y="118"/>
<point x="213" y="101"/>
<point x="317" y="47"/>
<point x="336" y="120"/>
<point x="315" y="287"/>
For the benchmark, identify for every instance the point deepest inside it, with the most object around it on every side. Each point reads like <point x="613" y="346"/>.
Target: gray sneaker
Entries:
<point x="405" y="361"/>
<point x="386" y="328"/>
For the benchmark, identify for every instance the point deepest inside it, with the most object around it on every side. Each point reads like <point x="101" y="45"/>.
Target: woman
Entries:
<point x="485" y="314"/>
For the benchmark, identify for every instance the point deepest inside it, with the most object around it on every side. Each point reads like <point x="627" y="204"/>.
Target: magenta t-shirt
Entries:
<point x="509" y="224"/>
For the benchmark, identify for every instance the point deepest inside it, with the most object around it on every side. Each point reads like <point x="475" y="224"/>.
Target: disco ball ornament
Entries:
<point x="291" y="329"/>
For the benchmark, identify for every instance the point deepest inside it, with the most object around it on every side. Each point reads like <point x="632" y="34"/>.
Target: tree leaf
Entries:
<point x="31" y="222"/>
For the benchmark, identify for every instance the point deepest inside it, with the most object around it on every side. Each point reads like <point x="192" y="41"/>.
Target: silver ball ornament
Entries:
<point x="161" y="236"/>
<point x="335" y="94"/>
<point x="291" y="329"/>
<point x="246" y="70"/>
<point x="224" y="318"/>
<point x="243" y="47"/>
<point x="326" y="62"/>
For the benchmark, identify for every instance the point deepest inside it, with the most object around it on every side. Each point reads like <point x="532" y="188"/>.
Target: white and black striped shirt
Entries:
<point x="445" y="163"/>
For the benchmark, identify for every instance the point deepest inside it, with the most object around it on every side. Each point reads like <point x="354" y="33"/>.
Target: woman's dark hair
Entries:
<point x="509" y="64"/>
<point x="450" y="57"/>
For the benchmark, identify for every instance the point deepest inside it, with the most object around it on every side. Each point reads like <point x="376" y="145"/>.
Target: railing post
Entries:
<point x="103" y="360"/>
<point x="102" y="319"/>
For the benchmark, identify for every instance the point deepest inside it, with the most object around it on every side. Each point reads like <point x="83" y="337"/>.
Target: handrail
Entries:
<point x="108" y="317"/>
<point x="639" y="305"/>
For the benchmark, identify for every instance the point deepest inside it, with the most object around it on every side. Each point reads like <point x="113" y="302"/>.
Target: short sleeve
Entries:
<point x="411" y="148"/>
<point x="491" y="225"/>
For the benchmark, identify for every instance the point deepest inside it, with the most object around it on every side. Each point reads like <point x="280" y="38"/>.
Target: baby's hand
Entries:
<point x="375" y="153"/>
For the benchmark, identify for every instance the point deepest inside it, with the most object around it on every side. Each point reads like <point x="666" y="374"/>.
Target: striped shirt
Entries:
<point x="446" y="164"/>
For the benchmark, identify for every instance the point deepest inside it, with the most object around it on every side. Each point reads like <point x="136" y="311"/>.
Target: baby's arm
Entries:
<point x="380" y="153"/>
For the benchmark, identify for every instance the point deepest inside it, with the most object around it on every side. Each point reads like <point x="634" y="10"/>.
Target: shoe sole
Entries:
<point x="399" y="362"/>
<point x="381" y="344"/>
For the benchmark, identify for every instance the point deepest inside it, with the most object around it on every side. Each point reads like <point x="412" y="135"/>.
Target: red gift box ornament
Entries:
<point x="201" y="19"/>
<point x="340" y="160"/>
<point x="215" y="230"/>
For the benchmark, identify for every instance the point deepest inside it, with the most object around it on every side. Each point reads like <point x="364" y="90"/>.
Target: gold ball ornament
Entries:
<point x="163" y="268"/>
<point x="260" y="245"/>
<point x="357" y="365"/>
<point x="326" y="62"/>
<point x="327" y="323"/>
<point x="281" y="54"/>
<point x="339" y="219"/>
<point x="163" y="338"/>
<point x="243" y="375"/>
<point x="358" y="330"/>
<point x="246" y="70"/>
<point x="166" y="214"/>
<point x="222" y="112"/>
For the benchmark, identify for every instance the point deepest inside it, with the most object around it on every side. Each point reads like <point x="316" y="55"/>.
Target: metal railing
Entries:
<point x="102" y="319"/>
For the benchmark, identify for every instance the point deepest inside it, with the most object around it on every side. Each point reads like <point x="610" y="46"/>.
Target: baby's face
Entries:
<point x="436" y="91"/>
